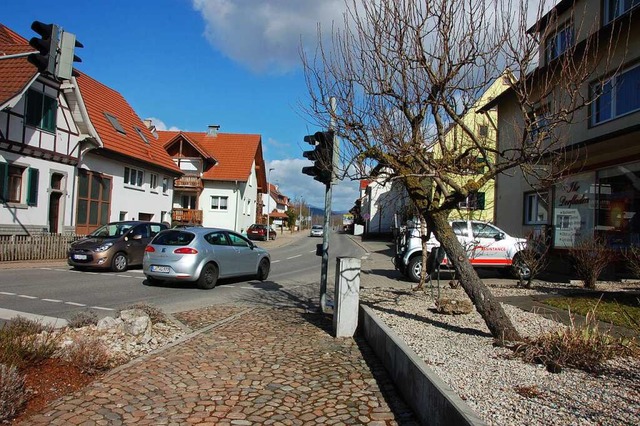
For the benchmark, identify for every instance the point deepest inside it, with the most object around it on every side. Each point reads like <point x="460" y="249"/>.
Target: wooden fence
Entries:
<point x="35" y="247"/>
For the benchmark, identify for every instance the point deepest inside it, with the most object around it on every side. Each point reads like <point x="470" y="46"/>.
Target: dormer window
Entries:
<point x="559" y="42"/>
<point x="616" y="8"/>
<point x="115" y="123"/>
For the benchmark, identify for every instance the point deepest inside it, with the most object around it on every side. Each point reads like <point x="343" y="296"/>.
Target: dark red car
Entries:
<point x="259" y="232"/>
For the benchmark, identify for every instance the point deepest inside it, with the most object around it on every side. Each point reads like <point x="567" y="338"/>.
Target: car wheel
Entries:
<point x="414" y="269"/>
<point x="208" y="277"/>
<point x="263" y="270"/>
<point x="273" y="237"/>
<point x="119" y="262"/>
<point x="519" y="268"/>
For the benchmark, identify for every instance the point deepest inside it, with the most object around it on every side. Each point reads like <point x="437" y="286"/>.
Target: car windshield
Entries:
<point x="316" y="227"/>
<point x="111" y="230"/>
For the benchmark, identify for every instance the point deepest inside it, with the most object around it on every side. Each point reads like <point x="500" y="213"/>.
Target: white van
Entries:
<point x="487" y="246"/>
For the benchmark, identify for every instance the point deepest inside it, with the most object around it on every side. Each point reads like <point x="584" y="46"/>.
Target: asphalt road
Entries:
<point x="59" y="292"/>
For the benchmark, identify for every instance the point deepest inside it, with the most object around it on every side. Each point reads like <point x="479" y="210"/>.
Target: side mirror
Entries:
<point x="137" y="237"/>
<point x="499" y="236"/>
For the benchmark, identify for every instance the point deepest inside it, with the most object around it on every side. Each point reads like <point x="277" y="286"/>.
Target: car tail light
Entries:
<point x="149" y="249"/>
<point x="185" y="250"/>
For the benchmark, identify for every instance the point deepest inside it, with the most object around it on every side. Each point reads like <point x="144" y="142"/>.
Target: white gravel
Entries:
<point x="460" y="350"/>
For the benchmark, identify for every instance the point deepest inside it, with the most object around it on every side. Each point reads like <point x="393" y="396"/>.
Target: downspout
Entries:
<point x="235" y="225"/>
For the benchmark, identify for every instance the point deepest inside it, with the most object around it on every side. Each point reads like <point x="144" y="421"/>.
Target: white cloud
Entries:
<point x="266" y="35"/>
<point x="287" y="174"/>
<point x="160" y="125"/>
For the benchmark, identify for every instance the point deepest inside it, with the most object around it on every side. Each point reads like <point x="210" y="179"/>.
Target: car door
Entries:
<point x="222" y="252"/>
<point x="491" y="247"/>
<point x="136" y="246"/>
<point x="246" y="259"/>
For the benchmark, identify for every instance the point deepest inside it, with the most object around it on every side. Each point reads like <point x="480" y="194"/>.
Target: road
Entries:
<point x="60" y="292"/>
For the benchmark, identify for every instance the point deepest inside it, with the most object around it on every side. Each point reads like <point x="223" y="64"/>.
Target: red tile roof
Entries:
<point x="16" y="72"/>
<point x="234" y="153"/>
<point x="100" y="99"/>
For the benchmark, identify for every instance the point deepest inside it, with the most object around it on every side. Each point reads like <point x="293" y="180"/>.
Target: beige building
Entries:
<point x="599" y="194"/>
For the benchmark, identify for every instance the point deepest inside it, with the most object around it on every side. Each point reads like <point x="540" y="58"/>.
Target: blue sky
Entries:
<point x="191" y="63"/>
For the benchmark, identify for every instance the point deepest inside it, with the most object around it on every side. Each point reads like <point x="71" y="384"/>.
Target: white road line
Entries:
<point x="74" y="304"/>
<point x="275" y="261"/>
<point x="312" y="251"/>
<point x="6" y="293"/>
<point x="52" y="300"/>
<point x="124" y="276"/>
<point x="24" y="296"/>
<point x="100" y="308"/>
<point x="293" y="257"/>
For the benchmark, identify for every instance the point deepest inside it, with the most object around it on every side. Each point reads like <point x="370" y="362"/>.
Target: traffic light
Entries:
<point x="47" y="45"/>
<point x="322" y="156"/>
<point x="68" y="43"/>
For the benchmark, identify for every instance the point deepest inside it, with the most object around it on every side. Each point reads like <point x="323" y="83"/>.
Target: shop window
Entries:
<point x="618" y="96"/>
<point x="615" y="8"/>
<point x="536" y="209"/>
<point x="41" y="111"/>
<point x="218" y="202"/>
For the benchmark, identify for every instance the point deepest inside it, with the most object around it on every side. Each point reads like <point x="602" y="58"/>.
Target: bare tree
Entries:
<point x="403" y="72"/>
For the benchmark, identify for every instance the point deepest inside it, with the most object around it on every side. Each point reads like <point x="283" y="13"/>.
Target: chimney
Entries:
<point x="149" y="124"/>
<point x="213" y="130"/>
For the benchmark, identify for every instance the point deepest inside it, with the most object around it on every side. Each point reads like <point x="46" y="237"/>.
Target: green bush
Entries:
<point x="25" y="342"/>
<point x="83" y="319"/>
<point x="155" y="314"/>
<point x="13" y="394"/>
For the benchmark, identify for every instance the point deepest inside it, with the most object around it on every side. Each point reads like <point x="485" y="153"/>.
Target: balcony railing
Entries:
<point x="187" y="216"/>
<point x="188" y="182"/>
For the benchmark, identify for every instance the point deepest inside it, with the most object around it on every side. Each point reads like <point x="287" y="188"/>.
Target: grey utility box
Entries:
<point x="347" y="296"/>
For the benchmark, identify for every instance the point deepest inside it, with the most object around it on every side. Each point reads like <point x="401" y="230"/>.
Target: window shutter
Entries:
<point x="4" y="169"/>
<point x="480" y="201"/>
<point x="32" y="188"/>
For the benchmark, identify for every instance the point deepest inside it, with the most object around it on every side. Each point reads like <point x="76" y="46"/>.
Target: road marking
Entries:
<point x="275" y="261"/>
<point x="74" y="304"/>
<point x="7" y="293"/>
<point x="52" y="300"/>
<point x="24" y="296"/>
<point x="100" y="308"/>
<point x="293" y="257"/>
<point x="124" y="276"/>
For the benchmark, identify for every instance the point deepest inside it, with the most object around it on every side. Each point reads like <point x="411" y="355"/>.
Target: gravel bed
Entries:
<point x="503" y="390"/>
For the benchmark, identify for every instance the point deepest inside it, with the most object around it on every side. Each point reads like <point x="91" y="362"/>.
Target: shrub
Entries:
<point x="590" y="256"/>
<point x="25" y="342"/>
<point x="155" y="314"/>
<point x="88" y="354"/>
<point x="13" y="394"/>
<point x="534" y="254"/>
<point x="83" y="319"/>
<point x="583" y="347"/>
<point x="632" y="255"/>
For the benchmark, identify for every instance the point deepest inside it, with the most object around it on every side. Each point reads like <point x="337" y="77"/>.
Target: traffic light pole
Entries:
<point x="325" y="248"/>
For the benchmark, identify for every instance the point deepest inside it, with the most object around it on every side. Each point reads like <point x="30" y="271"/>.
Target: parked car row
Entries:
<point x="191" y="254"/>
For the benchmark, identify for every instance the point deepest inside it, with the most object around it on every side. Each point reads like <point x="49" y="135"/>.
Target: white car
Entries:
<point x="487" y="246"/>
<point x="316" y="231"/>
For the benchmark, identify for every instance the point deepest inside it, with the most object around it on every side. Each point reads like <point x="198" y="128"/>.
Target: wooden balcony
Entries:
<point x="184" y="216"/>
<point x="188" y="182"/>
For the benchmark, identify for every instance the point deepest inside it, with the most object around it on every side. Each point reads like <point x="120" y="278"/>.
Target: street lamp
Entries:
<point x="268" y="195"/>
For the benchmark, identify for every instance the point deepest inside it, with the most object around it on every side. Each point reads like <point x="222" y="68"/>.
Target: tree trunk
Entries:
<point x="489" y="308"/>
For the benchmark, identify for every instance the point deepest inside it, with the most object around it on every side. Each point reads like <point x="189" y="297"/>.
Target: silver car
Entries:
<point x="203" y="255"/>
<point x="316" y="231"/>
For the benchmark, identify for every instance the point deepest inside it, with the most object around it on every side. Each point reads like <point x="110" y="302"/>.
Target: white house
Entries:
<point x="224" y="177"/>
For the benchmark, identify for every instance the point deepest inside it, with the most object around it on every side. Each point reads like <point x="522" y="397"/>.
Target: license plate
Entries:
<point x="80" y="256"/>
<point x="162" y="269"/>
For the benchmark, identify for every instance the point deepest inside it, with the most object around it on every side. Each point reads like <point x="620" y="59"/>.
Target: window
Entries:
<point x="165" y="185"/>
<point x="238" y="241"/>
<point x="536" y="208"/>
<point x="218" y="203"/>
<point x="460" y="229"/>
<point x="538" y="125"/>
<point x="41" y="111"/>
<point x="616" y="97"/>
<point x="217" y="239"/>
<point x="483" y="131"/>
<point x="616" y="8"/>
<point x="19" y="184"/>
<point x="94" y="201"/>
<point x="123" y="216"/>
<point x="153" y="182"/>
<point x="474" y="201"/>
<point x="558" y="43"/>
<point x="115" y="123"/>
<point x="142" y="136"/>
<point x="484" y="230"/>
<point x="133" y="177"/>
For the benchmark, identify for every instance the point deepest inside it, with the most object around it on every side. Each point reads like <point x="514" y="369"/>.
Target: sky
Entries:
<point x="188" y="64"/>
